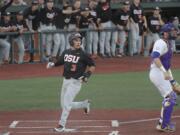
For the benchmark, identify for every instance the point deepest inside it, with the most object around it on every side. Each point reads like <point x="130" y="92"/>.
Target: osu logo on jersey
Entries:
<point x="71" y="58"/>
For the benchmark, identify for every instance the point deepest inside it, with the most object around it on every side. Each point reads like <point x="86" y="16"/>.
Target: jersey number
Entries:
<point x="73" y="67"/>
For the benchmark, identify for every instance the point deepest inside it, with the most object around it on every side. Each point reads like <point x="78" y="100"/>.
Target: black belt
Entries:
<point x="67" y="77"/>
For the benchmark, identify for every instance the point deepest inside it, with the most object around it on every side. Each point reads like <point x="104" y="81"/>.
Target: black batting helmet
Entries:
<point x="74" y="36"/>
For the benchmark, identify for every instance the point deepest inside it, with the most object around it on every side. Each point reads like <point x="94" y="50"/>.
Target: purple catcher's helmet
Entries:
<point x="167" y="27"/>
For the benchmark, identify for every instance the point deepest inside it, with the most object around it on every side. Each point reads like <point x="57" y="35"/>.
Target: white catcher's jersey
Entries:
<point x="156" y="75"/>
<point x="161" y="47"/>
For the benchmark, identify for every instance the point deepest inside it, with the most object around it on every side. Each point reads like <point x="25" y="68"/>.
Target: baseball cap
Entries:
<point x="176" y="18"/>
<point x="66" y="4"/>
<point x="157" y="8"/>
<point x="19" y="13"/>
<point x="6" y="14"/>
<point x="126" y="3"/>
<point x="85" y="9"/>
<point x="34" y="2"/>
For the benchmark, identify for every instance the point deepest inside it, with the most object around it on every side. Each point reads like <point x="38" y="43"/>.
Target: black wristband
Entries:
<point x="88" y="74"/>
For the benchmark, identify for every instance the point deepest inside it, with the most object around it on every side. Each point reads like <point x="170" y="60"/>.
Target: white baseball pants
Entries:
<point x="157" y="78"/>
<point x="70" y="88"/>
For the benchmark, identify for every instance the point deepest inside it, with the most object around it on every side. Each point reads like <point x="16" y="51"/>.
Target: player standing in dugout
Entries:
<point x="78" y="67"/>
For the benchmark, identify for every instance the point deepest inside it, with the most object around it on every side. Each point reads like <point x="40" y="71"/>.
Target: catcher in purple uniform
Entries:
<point x="161" y="76"/>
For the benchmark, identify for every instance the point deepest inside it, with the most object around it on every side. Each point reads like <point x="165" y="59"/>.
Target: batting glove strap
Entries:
<point x="87" y="74"/>
<point x="173" y="82"/>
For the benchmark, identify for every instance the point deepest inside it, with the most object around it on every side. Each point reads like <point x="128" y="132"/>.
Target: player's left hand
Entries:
<point x="85" y="77"/>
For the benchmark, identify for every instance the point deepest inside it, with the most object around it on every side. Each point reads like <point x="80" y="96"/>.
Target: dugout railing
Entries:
<point x="34" y="47"/>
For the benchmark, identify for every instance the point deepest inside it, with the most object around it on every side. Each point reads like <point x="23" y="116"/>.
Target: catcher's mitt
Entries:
<point x="176" y="87"/>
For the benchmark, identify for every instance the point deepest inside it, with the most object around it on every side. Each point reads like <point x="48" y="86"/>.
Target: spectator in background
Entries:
<point x="21" y="25"/>
<point x="121" y="22"/>
<point x="4" y="44"/>
<point x="174" y="32"/>
<point x="85" y="20"/>
<point x="41" y="3"/>
<point x="136" y="16"/>
<point x="32" y="19"/>
<point x="142" y="31"/>
<point x="60" y="25"/>
<point x="3" y="8"/>
<point x="104" y="14"/>
<point x="175" y="21"/>
<point x="31" y="15"/>
<point x="67" y="11"/>
<point x="6" y="25"/>
<point x="48" y="18"/>
<point x="154" y="25"/>
<point x="93" y="35"/>
<point x="75" y="15"/>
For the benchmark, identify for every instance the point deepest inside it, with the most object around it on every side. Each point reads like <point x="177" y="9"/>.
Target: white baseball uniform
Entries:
<point x="156" y="75"/>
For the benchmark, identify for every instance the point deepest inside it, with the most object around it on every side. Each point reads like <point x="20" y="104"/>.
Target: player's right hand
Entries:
<point x="50" y="65"/>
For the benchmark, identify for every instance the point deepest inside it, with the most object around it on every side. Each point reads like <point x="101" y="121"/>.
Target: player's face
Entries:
<point x="77" y="4"/>
<point x="166" y="35"/>
<point x="85" y="13"/>
<point x="19" y="17"/>
<point x="126" y="7"/>
<point x="136" y="1"/>
<point x="50" y="4"/>
<point x="7" y="18"/>
<point x="173" y="33"/>
<point x="77" y="43"/>
<point x="156" y="12"/>
<point x="35" y="7"/>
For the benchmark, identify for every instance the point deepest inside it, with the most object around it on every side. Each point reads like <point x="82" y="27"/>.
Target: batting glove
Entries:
<point x="175" y="86"/>
<point x="85" y="76"/>
<point x="50" y="65"/>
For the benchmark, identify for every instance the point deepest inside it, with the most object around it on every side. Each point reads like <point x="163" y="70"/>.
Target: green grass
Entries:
<point x="120" y="91"/>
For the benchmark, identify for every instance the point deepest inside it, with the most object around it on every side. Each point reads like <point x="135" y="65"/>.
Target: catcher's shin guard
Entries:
<point x="167" y="108"/>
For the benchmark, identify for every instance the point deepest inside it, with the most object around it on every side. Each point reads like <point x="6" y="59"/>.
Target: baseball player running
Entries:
<point x="78" y="67"/>
<point x="161" y="76"/>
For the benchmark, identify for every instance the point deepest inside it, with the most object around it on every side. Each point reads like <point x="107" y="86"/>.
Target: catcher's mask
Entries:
<point x="74" y="36"/>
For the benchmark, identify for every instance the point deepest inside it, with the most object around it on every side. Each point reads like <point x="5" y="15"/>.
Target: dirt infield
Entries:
<point x="42" y="122"/>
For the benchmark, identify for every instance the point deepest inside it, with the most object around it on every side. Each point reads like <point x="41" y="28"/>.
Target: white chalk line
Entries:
<point x="47" y="132"/>
<point x="47" y="127"/>
<point x="37" y="121"/>
<point x="86" y="131"/>
<point x="120" y="122"/>
<point x="144" y="120"/>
